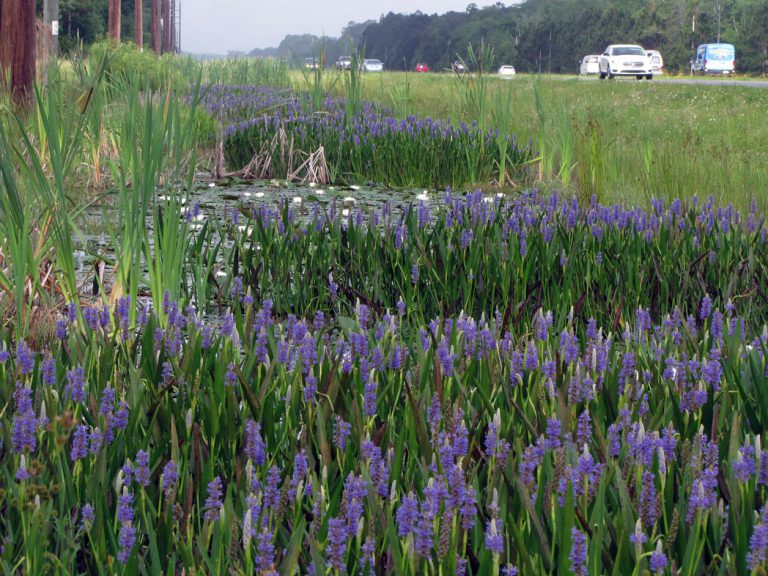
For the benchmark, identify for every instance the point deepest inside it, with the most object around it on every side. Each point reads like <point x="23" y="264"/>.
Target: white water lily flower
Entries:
<point x="349" y="201"/>
<point x="259" y="194"/>
<point x="319" y="192"/>
<point x="313" y="184"/>
<point x="211" y="184"/>
<point x="354" y="187"/>
<point x="297" y="199"/>
<point x="345" y="212"/>
<point x="221" y="274"/>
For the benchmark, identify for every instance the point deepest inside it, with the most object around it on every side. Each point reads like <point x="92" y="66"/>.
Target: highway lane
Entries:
<point x="702" y="81"/>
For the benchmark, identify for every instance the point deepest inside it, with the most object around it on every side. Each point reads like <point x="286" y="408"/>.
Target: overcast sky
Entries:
<point x="217" y="26"/>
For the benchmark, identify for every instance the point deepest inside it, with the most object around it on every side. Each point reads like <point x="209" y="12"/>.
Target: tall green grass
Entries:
<point x="40" y="153"/>
<point x="696" y="139"/>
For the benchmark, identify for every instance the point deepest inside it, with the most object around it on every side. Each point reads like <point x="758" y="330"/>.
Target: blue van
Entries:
<point x="714" y="59"/>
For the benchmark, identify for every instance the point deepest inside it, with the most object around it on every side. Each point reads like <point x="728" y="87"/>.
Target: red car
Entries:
<point x="421" y="67"/>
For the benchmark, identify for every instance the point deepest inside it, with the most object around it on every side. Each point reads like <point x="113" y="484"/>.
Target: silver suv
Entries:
<point x="344" y="63"/>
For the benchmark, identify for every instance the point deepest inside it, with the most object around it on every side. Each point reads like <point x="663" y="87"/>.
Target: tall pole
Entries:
<point x="114" y="20"/>
<point x="51" y="19"/>
<point x="154" y="8"/>
<point x="139" y="23"/>
<point x="168" y="26"/>
<point x="172" y="27"/>
<point x="164" y="28"/>
<point x="17" y="48"/>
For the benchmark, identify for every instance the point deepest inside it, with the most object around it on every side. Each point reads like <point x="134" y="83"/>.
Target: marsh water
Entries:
<point x="219" y="200"/>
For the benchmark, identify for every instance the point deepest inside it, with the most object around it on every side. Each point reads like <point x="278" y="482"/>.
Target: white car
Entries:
<point x="657" y="62"/>
<point x="507" y="71"/>
<point x="590" y="65"/>
<point x="625" y="60"/>
<point x="373" y="65"/>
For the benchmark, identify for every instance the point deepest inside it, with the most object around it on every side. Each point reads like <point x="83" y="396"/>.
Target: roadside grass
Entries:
<point x="653" y="139"/>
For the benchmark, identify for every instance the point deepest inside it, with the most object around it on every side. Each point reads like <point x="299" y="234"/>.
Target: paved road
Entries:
<point x="712" y="82"/>
<point x="703" y="81"/>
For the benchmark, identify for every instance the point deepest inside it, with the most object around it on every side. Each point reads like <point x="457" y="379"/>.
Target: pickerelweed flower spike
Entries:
<point x="658" y="561"/>
<point x="213" y="502"/>
<point x="578" y="554"/>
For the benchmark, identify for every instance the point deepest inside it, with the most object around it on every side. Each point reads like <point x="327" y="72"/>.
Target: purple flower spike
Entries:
<point x="494" y="539"/>
<point x="170" y="477"/>
<point x="578" y="554"/>
<point x="213" y="502"/>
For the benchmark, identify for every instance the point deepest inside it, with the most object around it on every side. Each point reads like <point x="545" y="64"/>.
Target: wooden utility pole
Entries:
<point x="172" y="25"/>
<point x="165" y="8"/>
<point x="139" y="23"/>
<point x="154" y="8"/>
<point x="51" y="19"/>
<point x="17" y="48"/>
<point x="114" y="20"/>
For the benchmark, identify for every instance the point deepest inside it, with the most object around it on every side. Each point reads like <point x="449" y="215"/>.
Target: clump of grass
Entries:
<point x="473" y="86"/>
<point x="591" y="149"/>
<point x="315" y="81"/>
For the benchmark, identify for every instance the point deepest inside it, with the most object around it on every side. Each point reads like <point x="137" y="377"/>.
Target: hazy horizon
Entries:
<point x="239" y="25"/>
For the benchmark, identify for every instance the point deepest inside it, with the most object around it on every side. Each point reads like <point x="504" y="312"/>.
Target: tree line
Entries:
<point x="551" y="35"/>
<point x="533" y="35"/>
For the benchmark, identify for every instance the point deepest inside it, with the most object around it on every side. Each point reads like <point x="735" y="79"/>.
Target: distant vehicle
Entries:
<point x="625" y="60"/>
<point x="590" y="65"/>
<point x="507" y="71"/>
<point x="311" y="63"/>
<point x="458" y="67"/>
<point x="421" y="67"/>
<point x="714" y="59"/>
<point x="344" y="63"/>
<point x="657" y="62"/>
<point x="373" y="65"/>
